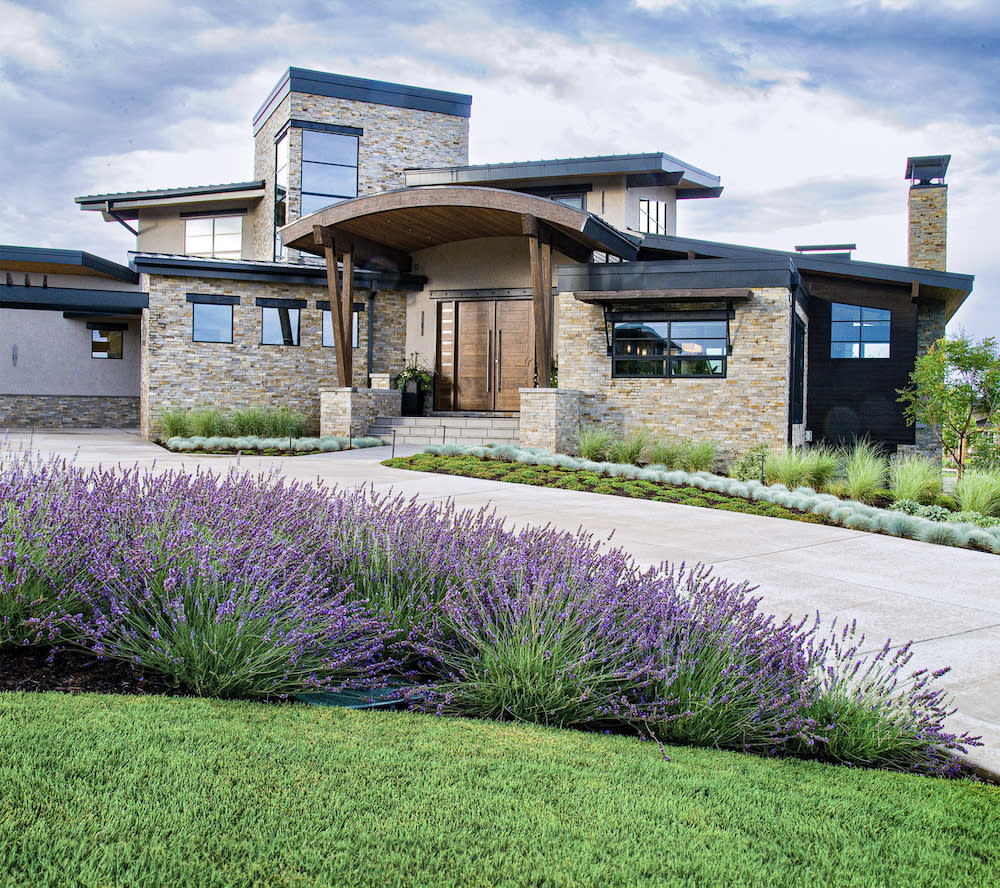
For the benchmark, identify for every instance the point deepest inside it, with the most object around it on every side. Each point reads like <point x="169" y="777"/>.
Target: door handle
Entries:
<point x="499" y="371"/>
<point x="489" y="359"/>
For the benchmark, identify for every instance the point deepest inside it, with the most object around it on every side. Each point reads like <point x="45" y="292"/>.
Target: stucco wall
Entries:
<point x="750" y="404"/>
<point x="178" y="372"/>
<point x="161" y="229"/>
<point x="43" y="353"/>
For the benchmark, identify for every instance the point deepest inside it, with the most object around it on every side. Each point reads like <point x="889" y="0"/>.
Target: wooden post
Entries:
<point x="540" y="256"/>
<point x="341" y="335"/>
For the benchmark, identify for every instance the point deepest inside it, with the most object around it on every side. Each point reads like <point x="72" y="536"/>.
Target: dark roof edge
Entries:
<point x="901" y="274"/>
<point x="194" y="190"/>
<point x="251" y="270"/>
<point x="669" y="274"/>
<point x="129" y="302"/>
<point x="377" y="92"/>
<point x="69" y="258"/>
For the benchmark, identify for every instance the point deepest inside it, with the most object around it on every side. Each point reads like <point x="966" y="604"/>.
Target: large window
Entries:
<point x="648" y="347"/>
<point x="211" y="322"/>
<point x="652" y="216"/>
<point x="329" y="169"/>
<point x="328" y="338"/>
<point x="279" y="326"/>
<point x="217" y="237"/>
<point x="106" y="341"/>
<point x="859" y="332"/>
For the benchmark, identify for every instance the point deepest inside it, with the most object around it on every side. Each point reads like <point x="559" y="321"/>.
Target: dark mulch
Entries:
<point x="41" y="669"/>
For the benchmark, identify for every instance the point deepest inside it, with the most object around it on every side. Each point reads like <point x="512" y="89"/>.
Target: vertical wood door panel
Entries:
<point x="515" y="353"/>
<point x="474" y="356"/>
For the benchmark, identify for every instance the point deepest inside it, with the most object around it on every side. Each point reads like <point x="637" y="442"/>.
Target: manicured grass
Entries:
<point x="153" y="791"/>
<point x="593" y="482"/>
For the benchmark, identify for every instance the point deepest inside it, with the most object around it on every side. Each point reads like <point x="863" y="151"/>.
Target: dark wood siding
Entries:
<point x="856" y="397"/>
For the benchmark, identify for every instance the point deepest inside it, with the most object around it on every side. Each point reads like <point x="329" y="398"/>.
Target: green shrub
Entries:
<point x="977" y="518"/>
<point x="787" y="467"/>
<point x="594" y="443"/>
<point x="700" y="456"/>
<point x="747" y="466"/>
<point x="978" y="491"/>
<point x="209" y="422"/>
<point x="915" y="478"/>
<point x="628" y="450"/>
<point x="866" y="469"/>
<point x="669" y="454"/>
<point x="175" y="423"/>
<point x="822" y="465"/>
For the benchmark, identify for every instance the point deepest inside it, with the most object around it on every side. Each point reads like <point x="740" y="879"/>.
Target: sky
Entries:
<point x="806" y="109"/>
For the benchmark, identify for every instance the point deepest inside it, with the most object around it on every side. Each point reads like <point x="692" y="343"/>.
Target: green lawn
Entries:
<point x="108" y="790"/>
<point x="592" y="482"/>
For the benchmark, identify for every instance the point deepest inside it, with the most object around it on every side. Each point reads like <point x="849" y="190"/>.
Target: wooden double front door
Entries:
<point x="485" y="354"/>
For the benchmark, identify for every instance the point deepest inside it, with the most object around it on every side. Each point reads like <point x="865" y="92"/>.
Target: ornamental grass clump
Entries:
<point x="594" y="443"/>
<point x="628" y="450"/>
<point x="978" y="491"/>
<point x="915" y="479"/>
<point x="865" y="470"/>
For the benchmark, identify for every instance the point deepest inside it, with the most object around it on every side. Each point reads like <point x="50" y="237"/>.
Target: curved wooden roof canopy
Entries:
<point x="398" y="223"/>
<point x="391" y="226"/>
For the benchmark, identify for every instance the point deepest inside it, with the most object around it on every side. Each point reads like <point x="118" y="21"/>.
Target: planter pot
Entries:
<point x="413" y="401"/>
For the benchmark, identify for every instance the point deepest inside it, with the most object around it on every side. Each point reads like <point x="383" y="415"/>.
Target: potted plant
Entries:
<point x="414" y="381"/>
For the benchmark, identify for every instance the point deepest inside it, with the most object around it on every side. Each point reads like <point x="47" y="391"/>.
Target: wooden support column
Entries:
<point x="341" y="303"/>
<point x="540" y="255"/>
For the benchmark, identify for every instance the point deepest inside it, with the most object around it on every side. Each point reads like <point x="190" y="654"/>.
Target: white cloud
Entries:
<point x="25" y="36"/>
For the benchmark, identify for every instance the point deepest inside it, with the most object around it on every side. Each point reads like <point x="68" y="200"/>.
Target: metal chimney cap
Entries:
<point x="924" y="169"/>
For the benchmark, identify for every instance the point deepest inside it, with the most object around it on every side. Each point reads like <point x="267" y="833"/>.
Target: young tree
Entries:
<point x="951" y="387"/>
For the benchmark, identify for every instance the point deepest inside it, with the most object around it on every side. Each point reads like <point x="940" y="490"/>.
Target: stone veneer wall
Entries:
<point x="550" y="418"/>
<point x="178" y="372"/>
<point x="931" y="320"/>
<point x="68" y="412"/>
<point x="928" y="230"/>
<point x="751" y="404"/>
<point x="394" y="139"/>
<point x="350" y="412"/>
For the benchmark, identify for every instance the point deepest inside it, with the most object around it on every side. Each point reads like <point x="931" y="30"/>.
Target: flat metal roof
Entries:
<point x="238" y="190"/>
<point x="358" y="89"/>
<point x="84" y="300"/>
<point x="45" y="260"/>
<point x="654" y="168"/>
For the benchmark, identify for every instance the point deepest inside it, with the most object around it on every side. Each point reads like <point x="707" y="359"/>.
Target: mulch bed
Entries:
<point x="41" y="669"/>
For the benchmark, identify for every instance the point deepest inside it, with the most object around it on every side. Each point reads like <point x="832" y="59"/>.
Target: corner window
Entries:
<point x="669" y="348"/>
<point x="859" y="332"/>
<point x="279" y="326"/>
<point x="652" y="216"/>
<point x="216" y="237"/>
<point x="280" y="192"/>
<point x="329" y="169"/>
<point x="211" y="322"/>
<point x="575" y="199"/>
<point x="106" y="344"/>
<point x="328" y="338"/>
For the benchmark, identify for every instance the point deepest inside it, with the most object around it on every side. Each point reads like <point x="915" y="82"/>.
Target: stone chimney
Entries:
<point x="928" y="232"/>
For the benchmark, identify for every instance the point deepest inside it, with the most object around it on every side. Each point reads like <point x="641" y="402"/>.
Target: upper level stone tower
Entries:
<point x="321" y="138"/>
<point x="928" y="229"/>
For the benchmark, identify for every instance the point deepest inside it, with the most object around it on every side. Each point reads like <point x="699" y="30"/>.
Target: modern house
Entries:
<point x="364" y="240"/>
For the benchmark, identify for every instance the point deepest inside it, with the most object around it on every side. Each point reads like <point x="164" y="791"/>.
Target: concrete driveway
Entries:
<point x="946" y="600"/>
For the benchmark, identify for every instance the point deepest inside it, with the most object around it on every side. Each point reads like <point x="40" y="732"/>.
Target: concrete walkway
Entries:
<point x="946" y="600"/>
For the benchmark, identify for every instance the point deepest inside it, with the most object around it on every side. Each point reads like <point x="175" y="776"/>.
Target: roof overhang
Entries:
<point x="399" y="223"/>
<point x="83" y="301"/>
<point x="640" y="170"/>
<point x="126" y="204"/>
<point x="676" y="280"/>
<point x="945" y="286"/>
<point x="42" y="260"/>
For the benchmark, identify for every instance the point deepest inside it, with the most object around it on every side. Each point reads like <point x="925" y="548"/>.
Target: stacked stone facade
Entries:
<point x="393" y="140"/>
<point x="550" y="418"/>
<point x="68" y="412"/>
<point x="178" y="372"/>
<point x="350" y="412"/>
<point x="928" y="228"/>
<point x="750" y="404"/>
<point x="931" y="320"/>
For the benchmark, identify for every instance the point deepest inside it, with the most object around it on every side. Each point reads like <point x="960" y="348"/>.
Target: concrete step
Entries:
<point x="441" y="429"/>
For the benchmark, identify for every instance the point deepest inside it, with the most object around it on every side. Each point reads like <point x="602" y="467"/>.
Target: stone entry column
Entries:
<point x="350" y="412"/>
<point x="550" y="418"/>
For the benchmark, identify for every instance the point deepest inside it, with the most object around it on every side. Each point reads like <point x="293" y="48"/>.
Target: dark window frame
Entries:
<point x="296" y="336"/>
<point x="669" y="360"/>
<point x="876" y="318"/>
<point x="335" y="198"/>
